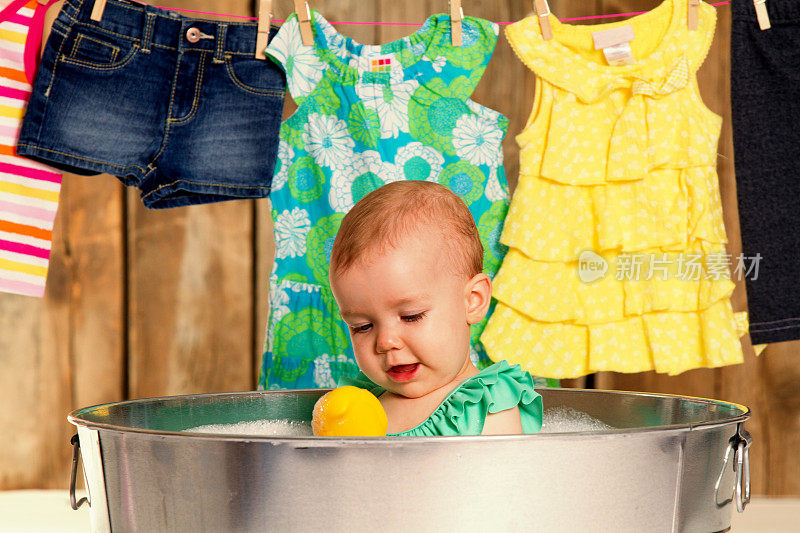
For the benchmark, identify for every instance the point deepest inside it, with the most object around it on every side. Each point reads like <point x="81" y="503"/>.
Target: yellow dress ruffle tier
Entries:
<point x="620" y="163"/>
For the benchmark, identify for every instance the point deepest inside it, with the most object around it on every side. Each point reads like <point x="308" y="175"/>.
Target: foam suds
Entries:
<point x="258" y="428"/>
<point x="568" y="420"/>
<point x="555" y="420"/>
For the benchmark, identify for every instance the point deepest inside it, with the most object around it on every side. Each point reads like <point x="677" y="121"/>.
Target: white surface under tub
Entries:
<point x="45" y="511"/>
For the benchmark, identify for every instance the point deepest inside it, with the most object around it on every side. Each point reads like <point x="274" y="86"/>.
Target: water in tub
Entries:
<point x="555" y="420"/>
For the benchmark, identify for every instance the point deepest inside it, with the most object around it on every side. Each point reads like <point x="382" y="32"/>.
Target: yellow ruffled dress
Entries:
<point x="618" y="162"/>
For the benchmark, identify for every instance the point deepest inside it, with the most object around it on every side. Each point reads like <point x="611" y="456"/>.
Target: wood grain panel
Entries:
<point x="35" y="384"/>
<point x="66" y="350"/>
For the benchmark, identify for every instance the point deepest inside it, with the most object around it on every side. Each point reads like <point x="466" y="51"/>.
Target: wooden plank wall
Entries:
<point x="145" y="303"/>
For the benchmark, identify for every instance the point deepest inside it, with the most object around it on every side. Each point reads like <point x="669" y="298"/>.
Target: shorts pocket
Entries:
<point x="256" y="76"/>
<point x="98" y="52"/>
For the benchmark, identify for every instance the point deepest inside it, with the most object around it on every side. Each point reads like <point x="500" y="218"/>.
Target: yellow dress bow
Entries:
<point x="628" y="157"/>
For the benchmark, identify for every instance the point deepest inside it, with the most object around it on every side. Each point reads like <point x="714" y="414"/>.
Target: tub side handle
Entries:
<point x="76" y="453"/>
<point x="88" y="446"/>
<point x="742" y="467"/>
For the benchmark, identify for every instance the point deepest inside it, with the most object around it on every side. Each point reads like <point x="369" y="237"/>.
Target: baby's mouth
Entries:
<point x="403" y="372"/>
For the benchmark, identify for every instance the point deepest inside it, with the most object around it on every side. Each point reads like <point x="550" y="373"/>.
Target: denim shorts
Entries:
<point x="176" y="106"/>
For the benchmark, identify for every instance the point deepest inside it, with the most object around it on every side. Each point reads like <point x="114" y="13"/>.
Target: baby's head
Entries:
<point x="406" y="272"/>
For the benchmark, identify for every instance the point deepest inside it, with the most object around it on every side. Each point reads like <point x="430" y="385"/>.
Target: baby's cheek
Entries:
<point x="449" y="330"/>
<point x="358" y="348"/>
<point x="363" y="350"/>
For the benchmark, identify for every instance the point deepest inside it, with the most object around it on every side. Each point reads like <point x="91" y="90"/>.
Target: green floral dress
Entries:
<point x="367" y="116"/>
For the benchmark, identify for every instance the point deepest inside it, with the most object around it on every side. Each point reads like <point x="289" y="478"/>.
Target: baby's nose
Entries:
<point x="387" y="340"/>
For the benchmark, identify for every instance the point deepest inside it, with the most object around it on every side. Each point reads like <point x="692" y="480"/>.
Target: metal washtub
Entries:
<point x="672" y="463"/>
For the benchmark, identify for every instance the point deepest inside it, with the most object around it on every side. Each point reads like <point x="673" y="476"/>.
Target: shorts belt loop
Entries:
<point x="219" y="51"/>
<point x="147" y="33"/>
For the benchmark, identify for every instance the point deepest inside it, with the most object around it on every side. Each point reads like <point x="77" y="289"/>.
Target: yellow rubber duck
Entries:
<point x="349" y="412"/>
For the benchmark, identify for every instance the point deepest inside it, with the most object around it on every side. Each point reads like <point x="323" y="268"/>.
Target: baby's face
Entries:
<point x="407" y="311"/>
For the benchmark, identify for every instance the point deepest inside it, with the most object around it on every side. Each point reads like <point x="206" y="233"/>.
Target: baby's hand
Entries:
<point x="349" y="412"/>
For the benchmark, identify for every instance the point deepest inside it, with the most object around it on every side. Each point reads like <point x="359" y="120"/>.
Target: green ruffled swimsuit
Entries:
<point x="463" y="412"/>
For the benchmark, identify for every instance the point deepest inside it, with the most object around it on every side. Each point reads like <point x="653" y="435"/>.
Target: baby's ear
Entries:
<point x="478" y="296"/>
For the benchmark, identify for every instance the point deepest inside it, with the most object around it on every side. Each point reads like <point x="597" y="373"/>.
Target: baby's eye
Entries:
<point x="360" y="328"/>
<point x="413" y="318"/>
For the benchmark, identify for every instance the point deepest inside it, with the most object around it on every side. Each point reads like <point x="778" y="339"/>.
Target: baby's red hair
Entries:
<point x="400" y="209"/>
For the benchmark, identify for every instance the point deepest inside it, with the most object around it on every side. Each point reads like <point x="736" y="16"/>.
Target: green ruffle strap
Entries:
<point x="463" y="412"/>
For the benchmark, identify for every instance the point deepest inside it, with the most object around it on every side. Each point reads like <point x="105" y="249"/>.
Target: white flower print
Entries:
<point x="437" y="64"/>
<point x="328" y="141"/>
<point x="418" y="48"/>
<point x="322" y="372"/>
<point x="285" y="156"/>
<point x="397" y="75"/>
<point x="391" y="104"/>
<point x="278" y="308"/>
<point x="485" y="113"/>
<point x="278" y="303"/>
<point x="357" y="62"/>
<point x="323" y="377"/>
<point x="416" y="161"/>
<point x="477" y="141"/>
<point x="366" y="170"/>
<point x="303" y="67"/>
<point x="291" y="230"/>
<point x="473" y="355"/>
<point x="495" y="191"/>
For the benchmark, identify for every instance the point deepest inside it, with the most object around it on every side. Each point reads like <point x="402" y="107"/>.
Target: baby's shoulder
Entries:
<point x="508" y="422"/>
<point x="485" y="398"/>
<point x="508" y="388"/>
<point x="508" y="400"/>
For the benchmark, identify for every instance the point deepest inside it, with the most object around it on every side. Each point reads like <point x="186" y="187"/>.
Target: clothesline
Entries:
<point x="355" y="23"/>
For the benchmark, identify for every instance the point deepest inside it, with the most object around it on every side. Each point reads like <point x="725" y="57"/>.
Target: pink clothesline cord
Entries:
<point x="354" y="23"/>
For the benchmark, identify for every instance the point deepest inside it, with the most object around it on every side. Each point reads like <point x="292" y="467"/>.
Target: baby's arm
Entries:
<point x="506" y="422"/>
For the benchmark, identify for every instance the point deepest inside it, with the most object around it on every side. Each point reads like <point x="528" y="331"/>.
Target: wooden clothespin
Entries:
<point x="456" y="17"/>
<point x="543" y="11"/>
<point x="264" y="20"/>
<point x="97" y="10"/>
<point x="304" y="17"/>
<point x="694" y="14"/>
<point x="762" y="14"/>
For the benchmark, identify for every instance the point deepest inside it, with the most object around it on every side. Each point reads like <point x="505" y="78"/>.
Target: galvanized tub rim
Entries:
<point x="75" y="417"/>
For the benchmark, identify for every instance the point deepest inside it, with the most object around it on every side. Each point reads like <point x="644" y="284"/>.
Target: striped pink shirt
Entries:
<point x="28" y="190"/>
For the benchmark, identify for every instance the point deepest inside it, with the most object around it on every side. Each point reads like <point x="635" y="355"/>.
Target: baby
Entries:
<point x="407" y="273"/>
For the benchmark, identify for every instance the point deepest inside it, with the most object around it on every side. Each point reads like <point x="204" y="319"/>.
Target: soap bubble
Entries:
<point x="555" y="420"/>
<point x="569" y="420"/>
<point x="258" y="428"/>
